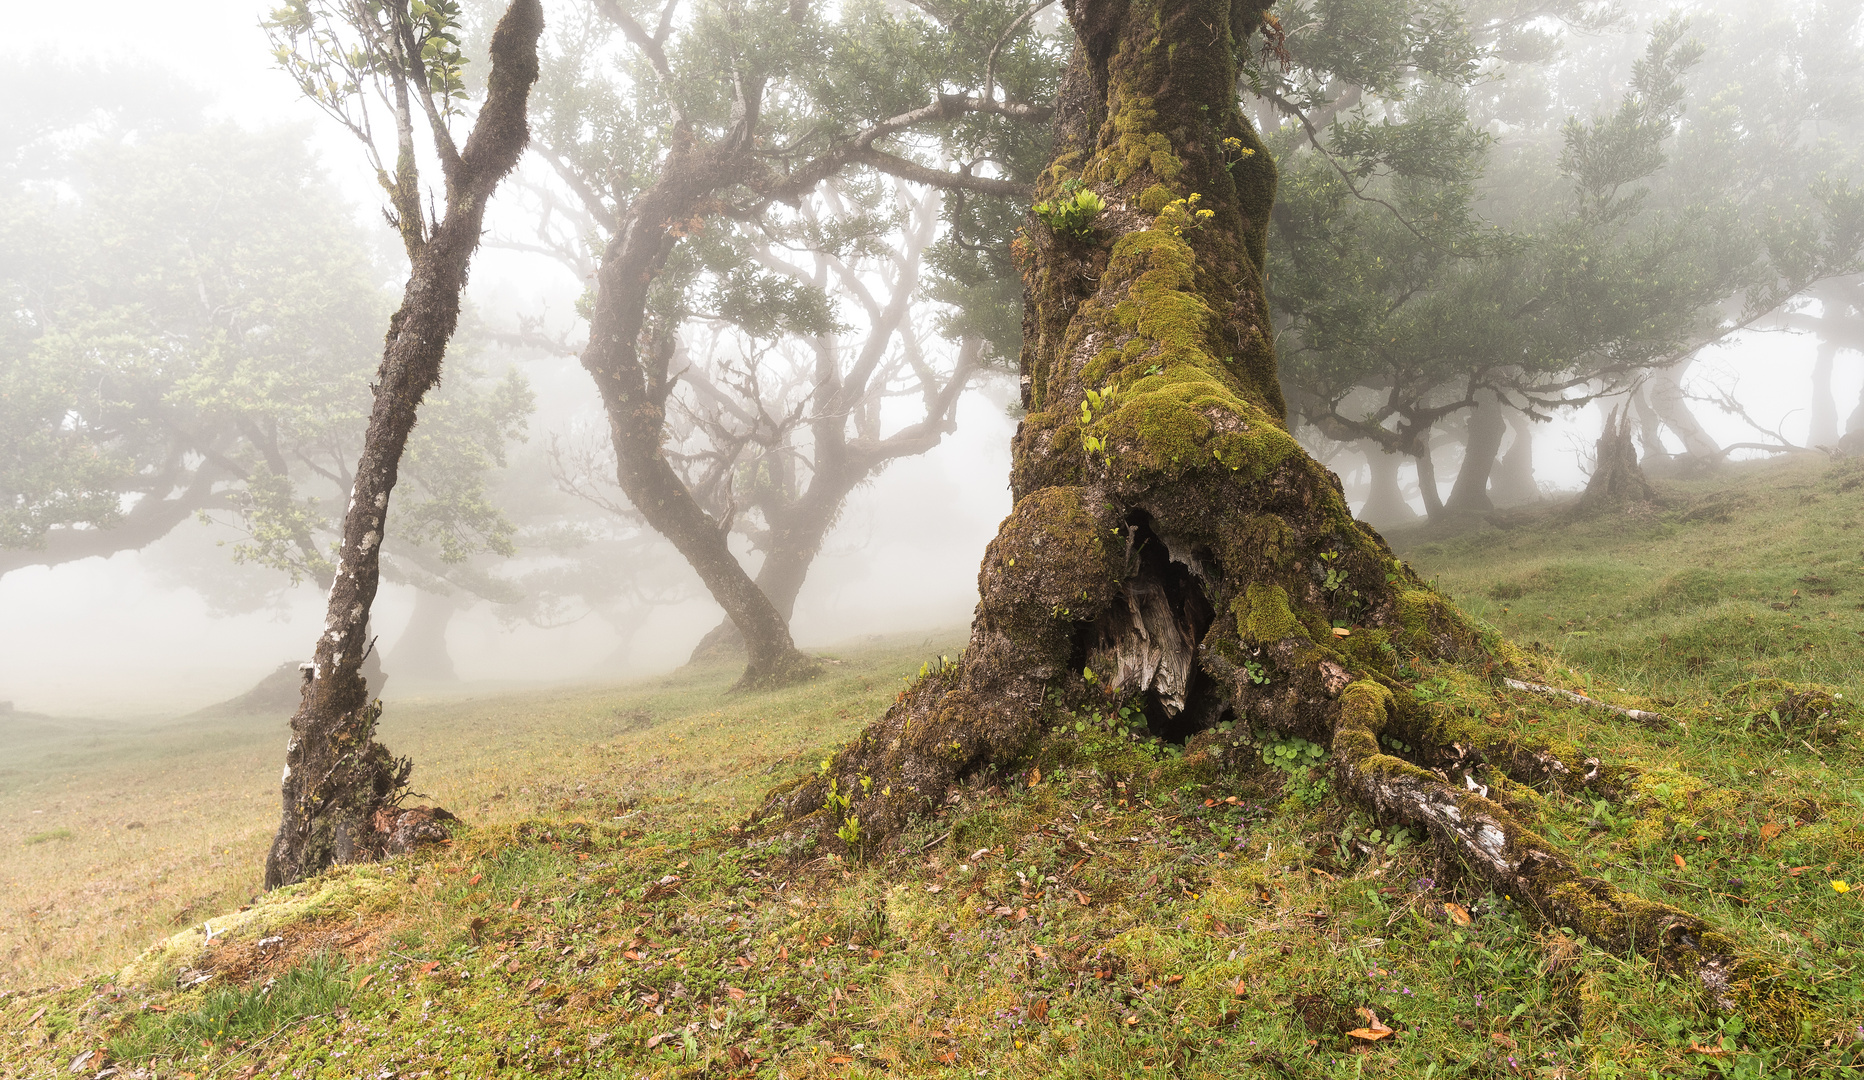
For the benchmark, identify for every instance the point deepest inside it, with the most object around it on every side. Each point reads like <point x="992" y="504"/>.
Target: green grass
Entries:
<point x="1117" y="908"/>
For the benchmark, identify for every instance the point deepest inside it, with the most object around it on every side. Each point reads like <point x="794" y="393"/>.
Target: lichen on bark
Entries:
<point x="1171" y="543"/>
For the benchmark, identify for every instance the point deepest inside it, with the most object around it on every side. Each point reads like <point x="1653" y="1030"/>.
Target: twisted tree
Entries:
<point x="1171" y="545"/>
<point x="337" y="777"/>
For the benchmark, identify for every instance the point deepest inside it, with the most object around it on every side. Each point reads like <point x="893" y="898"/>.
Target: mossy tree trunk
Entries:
<point x="1487" y="427"/>
<point x="1169" y="535"/>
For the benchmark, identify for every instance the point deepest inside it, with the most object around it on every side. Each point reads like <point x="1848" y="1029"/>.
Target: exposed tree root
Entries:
<point x="1649" y="719"/>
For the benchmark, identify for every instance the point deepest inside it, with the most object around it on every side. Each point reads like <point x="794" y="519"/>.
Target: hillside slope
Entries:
<point x="1122" y="907"/>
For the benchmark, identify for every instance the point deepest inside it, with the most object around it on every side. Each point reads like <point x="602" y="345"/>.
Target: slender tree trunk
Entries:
<point x="421" y="651"/>
<point x="1385" y="501"/>
<point x="337" y="777"/>
<point x="1170" y="537"/>
<point x="1514" y="483"/>
<point x="1487" y="425"/>
<point x="1650" y="428"/>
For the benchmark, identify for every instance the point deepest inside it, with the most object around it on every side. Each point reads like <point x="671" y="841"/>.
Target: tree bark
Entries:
<point x="1487" y="425"/>
<point x="1666" y="397"/>
<point x="1171" y="545"/>
<point x="337" y="777"/>
<point x="1427" y="479"/>
<point x="1385" y="502"/>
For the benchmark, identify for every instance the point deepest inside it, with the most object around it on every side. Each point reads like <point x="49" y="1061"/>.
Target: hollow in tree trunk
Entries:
<point x="1170" y="543"/>
<point x="339" y="783"/>
<point x="1487" y="426"/>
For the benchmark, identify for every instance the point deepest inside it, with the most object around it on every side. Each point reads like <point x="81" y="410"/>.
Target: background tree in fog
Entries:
<point x="192" y="320"/>
<point x="690" y="142"/>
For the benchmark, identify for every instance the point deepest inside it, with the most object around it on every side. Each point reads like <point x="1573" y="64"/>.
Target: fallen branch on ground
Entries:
<point x="1639" y="715"/>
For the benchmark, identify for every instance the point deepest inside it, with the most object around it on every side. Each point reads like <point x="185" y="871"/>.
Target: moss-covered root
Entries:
<point x="1527" y="869"/>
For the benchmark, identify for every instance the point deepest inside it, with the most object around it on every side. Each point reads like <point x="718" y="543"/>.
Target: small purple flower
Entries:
<point x="1423" y="884"/>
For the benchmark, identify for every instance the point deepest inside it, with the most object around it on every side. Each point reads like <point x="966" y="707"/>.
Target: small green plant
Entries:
<point x="1182" y="214"/>
<point x="1258" y="674"/>
<point x="242" y="1013"/>
<point x="1071" y="213"/>
<point x="850" y="832"/>
<point x="1299" y="759"/>
<point x="49" y="835"/>
<point x="1234" y="145"/>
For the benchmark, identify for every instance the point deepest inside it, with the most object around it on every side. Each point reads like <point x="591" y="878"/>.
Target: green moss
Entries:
<point x="1263" y="616"/>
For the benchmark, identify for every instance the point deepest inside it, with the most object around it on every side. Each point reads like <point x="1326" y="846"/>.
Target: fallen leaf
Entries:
<point x="366" y="980"/>
<point x="1502" y="1040"/>
<point x="631" y="955"/>
<point x="734" y="993"/>
<point x="1022" y="913"/>
<point x="839" y="1059"/>
<point x="934" y="887"/>
<point x="1082" y="897"/>
<point x="1132" y="1020"/>
<point x="1712" y="1051"/>
<point x="1173" y="980"/>
<point x="34" y="1018"/>
<point x="428" y="968"/>
<point x="1371" y="1018"/>
<point x="738" y="1057"/>
<point x="1458" y="913"/>
<point x="948" y="1057"/>
<point x="742" y="962"/>
<point x="1241" y="988"/>
<point x="475" y="879"/>
<point x="1035" y="777"/>
<point x="1771" y="830"/>
<point x="1038" y="1009"/>
<point x="1341" y="631"/>
<point x="515" y="903"/>
<point x="783" y="953"/>
<point x="658" y="1039"/>
<point x="1797" y="870"/>
<point x="1680" y="864"/>
<point x="1001" y="911"/>
<point x="1370" y="1034"/>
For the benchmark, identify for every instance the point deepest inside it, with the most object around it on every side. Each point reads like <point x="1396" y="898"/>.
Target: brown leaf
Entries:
<point x="1680" y="864"/>
<point x="1458" y="913"/>
<point x="515" y="903"/>
<point x="783" y="953"/>
<point x="34" y="1018"/>
<point x="934" y="887"/>
<point x="428" y="968"/>
<point x="840" y="1059"/>
<point x="366" y="980"/>
<point x="734" y="993"/>
<point x="1038" y="1009"/>
<point x="535" y="983"/>
<point x="1771" y="830"/>
<point x="1082" y="897"/>
<point x="1173" y="980"/>
<point x="475" y="879"/>
<point x="1241" y="988"/>
<point x="1712" y="1051"/>
<point x="1371" y="1018"/>
<point x="1022" y="913"/>
<point x="1370" y="1034"/>
<point x="658" y="1039"/>
<point x="1132" y="1019"/>
<point x="738" y="1057"/>
<point x="1500" y="1039"/>
<point x="1035" y="777"/>
<point x="1797" y="870"/>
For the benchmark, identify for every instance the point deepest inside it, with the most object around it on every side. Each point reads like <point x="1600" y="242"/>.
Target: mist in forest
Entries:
<point x="522" y="562"/>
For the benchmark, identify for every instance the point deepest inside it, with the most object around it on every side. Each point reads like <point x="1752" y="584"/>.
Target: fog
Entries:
<point x="134" y="634"/>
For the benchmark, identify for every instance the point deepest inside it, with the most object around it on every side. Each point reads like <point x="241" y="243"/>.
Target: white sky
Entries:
<point x="104" y="637"/>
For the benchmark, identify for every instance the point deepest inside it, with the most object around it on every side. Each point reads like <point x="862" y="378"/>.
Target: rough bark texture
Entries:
<point x="337" y="777"/>
<point x="1171" y="538"/>
<point x="1487" y="426"/>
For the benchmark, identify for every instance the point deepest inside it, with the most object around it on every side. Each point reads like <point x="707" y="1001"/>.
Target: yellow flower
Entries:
<point x="1839" y="886"/>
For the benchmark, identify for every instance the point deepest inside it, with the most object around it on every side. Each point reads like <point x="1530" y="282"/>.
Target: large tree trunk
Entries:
<point x="1513" y="483"/>
<point x="337" y="777"/>
<point x="1487" y="425"/>
<point x="1666" y="397"/>
<point x="1170" y="536"/>
<point x="1427" y="479"/>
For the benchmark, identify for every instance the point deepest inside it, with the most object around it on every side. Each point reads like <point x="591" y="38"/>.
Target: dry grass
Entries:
<point x="160" y="824"/>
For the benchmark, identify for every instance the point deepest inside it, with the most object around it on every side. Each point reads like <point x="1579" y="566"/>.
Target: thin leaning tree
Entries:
<point x="1172" y="546"/>
<point x="338" y="779"/>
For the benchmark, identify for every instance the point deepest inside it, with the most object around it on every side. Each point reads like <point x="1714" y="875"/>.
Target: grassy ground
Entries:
<point x="1119" y="908"/>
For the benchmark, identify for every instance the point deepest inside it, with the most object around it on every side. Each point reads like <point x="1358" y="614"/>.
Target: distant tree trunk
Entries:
<point x="1822" y="410"/>
<point x="421" y="651"/>
<point x="1385" y="502"/>
<point x="1427" y="479"/>
<point x="1172" y="546"/>
<point x="1650" y="428"/>
<point x="337" y="777"/>
<point x="1487" y="426"/>
<point x="1513" y="483"/>
<point x="1616" y="479"/>
<point x="1666" y="397"/>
